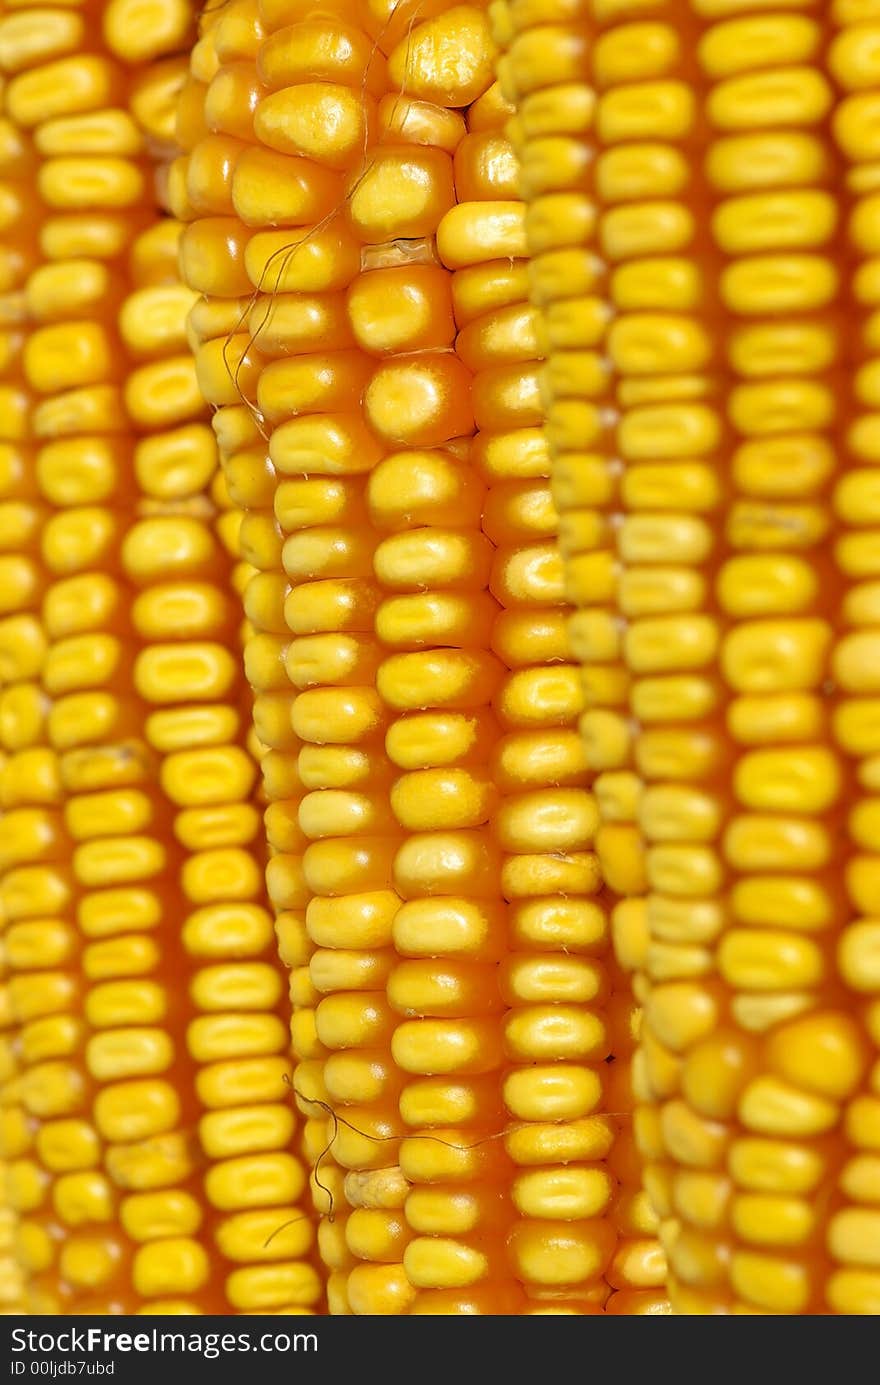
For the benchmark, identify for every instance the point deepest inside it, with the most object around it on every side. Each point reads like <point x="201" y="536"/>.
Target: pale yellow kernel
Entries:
<point x="771" y="1107"/>
<point x="769" y="960"/>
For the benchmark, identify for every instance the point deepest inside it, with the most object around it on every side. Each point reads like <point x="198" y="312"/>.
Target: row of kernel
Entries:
<point x="184" y="621"/>
<point x="659" y="350"/>
<point x="257" y="1186"/>
<point x="589" y="489"/>
<point x="141" y="1020"/>
<point x="421" y="182"/>
<point x="82" y="127"/>
<point x="219" y="158"/>
<point x="543" y="820"/>
<point x="88" y="1261"/>
<point x="226" y="331"/>
<point x="313" y="402"/>
<point x="79" y="471"/>
<point x="229" y="370"/>
<point x="773" y="223"/>
<point x="237" y="1039"/>
<point x="113" y="808"/>
<point x="24" y="1186"/>
<point x="548" y="68"/>
<point x="438" y="681"/>
<point x="852" y="1232"/>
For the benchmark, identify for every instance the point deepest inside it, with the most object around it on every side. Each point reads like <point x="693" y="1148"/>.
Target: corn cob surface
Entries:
<point x="438" y="666"/>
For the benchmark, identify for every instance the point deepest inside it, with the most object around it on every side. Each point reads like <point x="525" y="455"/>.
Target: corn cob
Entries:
<point x="779" y="990"/>
<point x="854" y="1282"/>
<point x="775" y="978"/>
<point x="22" y="579"/>
<point x="545" y="71"/>
<point x="237" y="1038"/>
<point x="326" y="688"/>
<point x="560" y="1242"/>
<point x="91" y="156"/>
<point x="123" y="862"/>
<point x="733" y="1098"/>
<point x="217" y="879"/>
<point x="39" y="887"/>
<point x="438" y="680"/>
<point x="643" y="126"/>
<point x="222" y="65"/>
